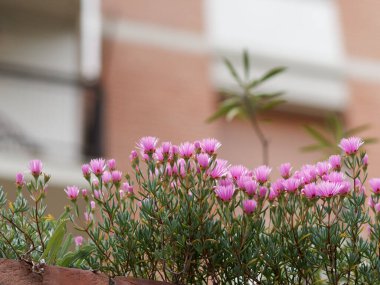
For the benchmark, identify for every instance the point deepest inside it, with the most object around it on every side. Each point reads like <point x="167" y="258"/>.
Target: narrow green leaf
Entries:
<point x="233" y="113"/>
<point x="318" y="135"/>
<point x="356" y="130"/>
<point x="246" y="63"/>
<point x="53" y="246"/>
<point x="232" y="70"/>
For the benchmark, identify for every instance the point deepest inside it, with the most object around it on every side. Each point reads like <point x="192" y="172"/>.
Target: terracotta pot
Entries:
<point x="14" y="272"/>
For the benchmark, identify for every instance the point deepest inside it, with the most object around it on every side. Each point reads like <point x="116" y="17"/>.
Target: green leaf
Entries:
<point x="72" y="257"/>
<point x="233" y="113"/>
<point x="271" y="73"/>
<point x="232" y="70"/>
<point x="313" y="147"/>
<point x="318" y="136"/>
<point x="272" y="104"/>
<point x="246" y="63"/>
<point x="356" y="130"/>
<point x="53" y="246"/>
<point x="224" y="108"/>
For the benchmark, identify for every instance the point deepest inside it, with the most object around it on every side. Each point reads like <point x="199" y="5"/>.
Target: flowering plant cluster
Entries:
<point x="188" y="217"/>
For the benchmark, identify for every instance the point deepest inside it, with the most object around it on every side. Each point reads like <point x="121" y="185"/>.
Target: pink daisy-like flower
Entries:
<point x="323" y="168"/>
<point x="237" y="171"/>
<point x="186" y="150"/>
<point x="328" y="189"/>
<point x="84" y="193"/>
<point x="351" y="145"/>
<point x="263" y="191"/>
<point x="127" y="188"/>
<point x="273" y="194"/>
<point x="310" y="191"/>
<point x="375" y="185"/>
<point x="225" y="193"/>
<point x="72" y="192"/>
<point x="291" y="184"/>
<point x="111" y="163"/>
<point x="335" y="177"/>
<point x="166" y="148"/>
<point x="147" y="145"/>
<point x="225" y="182"/>
<point x="262" y="173"/>
<point x="133" y="156"/>
<point x="86" y="170"/>
<point x="106" y="177"/>
<point x="285" y="170"/>
<point x="219" y="169"/>
<point x="249" y="206"/>
<point x="20" y="181"/>
<point x="365" y="160"/>
<point x="116" y="176"/>
<point x="92" y="205"/>
<point x="35" y="167"/>
<point x="335" y="162"/>
<point x="210" y="145"/>
<point x="97" y="166"/>
<point x="203" y="160"/>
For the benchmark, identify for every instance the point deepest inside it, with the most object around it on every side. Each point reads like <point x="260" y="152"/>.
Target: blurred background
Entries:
<point x="88" y="78"/>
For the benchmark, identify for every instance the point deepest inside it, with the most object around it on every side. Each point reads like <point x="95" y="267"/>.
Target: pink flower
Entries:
<point x="106" y="177"/>
<point x="285" y="170"/>
<point x="220" y="169"/>
<point x="263" y="191"/>
<point x="310" y="191"/>
<point x="308" y="173"/>
<point x="84" y="193"/>
<point x="365" y="160"/>
<point x="35" y="167"/>
<point x="210" y="146"/>
<point x="278" y="185"/>
<point x="375" y="185"/>
<point x="346" y="186"/>
<point x="20" y="181"/>
<point x="249" y="206"/>
<point x="127" y="188"/>
<point x="180" y="168"/>
<point x="111" y="163"/>
<point x="175" y="149"/>
<point x="86" y="171"/>
<point x="78" y="240"/>
<point x="237" y="171"/>
<point x="203" y="160"/>
<point x="335" y="177"/>
<point x="225" y="193"/>
<point x="97" y="166"/>
<point x="92" y="205"/>
<point x="273" y="194"/>
<point x="72" y="192"/>
<point x="97" y="194"/>
<point x="247" y="184"/>
<point x="158" y="155"/>
<point x="225" y="182"/>
<point x="148" y="144"/>
<point x="351" y="145"/>
<point x="133" y="156"/>
<point x="291" y="184"/>
<point x="166" y="148"/>
<point x="116" y="176"/>
<point x="328" y="189"/>
<point x="262" y="173"/>
<point x="197" y="145"/>
<point x="335" y="162"/>
<point x="323" y="168"/>
<point x="186" y="150"/>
